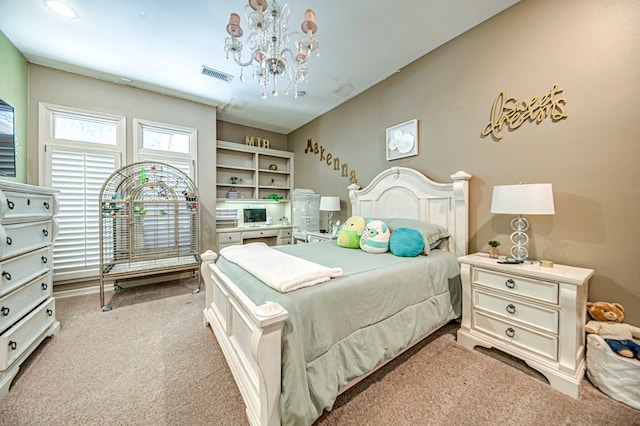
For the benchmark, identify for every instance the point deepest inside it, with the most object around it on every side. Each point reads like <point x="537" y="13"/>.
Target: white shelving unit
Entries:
<point x="257" y="172"/>
<point x="253" y="176"/>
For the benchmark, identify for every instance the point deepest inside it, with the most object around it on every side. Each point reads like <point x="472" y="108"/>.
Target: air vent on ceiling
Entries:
<point x="210" y="72"/>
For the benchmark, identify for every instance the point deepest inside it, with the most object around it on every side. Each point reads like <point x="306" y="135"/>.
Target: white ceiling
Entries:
<point x="161" y="45"/>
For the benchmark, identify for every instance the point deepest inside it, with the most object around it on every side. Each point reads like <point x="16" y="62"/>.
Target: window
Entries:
<point x="81" y="128"/>
<point x="166" y="143"/>
<point x="175" y="146"/>
<point x="79" y="150"/>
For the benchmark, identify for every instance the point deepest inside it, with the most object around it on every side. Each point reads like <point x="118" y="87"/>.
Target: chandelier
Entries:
<point x="274" y="64"/>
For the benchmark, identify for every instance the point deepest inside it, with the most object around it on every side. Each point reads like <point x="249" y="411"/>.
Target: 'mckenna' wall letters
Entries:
<point x="329" y="159"/>
<point x="513" y="113"/>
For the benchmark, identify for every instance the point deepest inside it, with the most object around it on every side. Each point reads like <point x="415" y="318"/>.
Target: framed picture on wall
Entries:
<point x="402" y="140"/>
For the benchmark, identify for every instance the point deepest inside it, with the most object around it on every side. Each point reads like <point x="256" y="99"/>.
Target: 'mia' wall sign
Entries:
<point x="512" y="113"/>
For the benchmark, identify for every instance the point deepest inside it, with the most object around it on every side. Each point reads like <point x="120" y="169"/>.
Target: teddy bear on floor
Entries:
<point x="607" y="323"/>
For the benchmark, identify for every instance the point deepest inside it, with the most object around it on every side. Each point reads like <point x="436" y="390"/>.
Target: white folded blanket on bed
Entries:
<point x="281" y="271"/>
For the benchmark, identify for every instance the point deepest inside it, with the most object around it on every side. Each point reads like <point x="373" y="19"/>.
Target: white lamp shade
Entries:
<point x="535" y="198"/>
<point x="330" y="204"/>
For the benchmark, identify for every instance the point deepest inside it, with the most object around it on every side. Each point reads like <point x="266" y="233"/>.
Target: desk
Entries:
<point x="270" y="235"/>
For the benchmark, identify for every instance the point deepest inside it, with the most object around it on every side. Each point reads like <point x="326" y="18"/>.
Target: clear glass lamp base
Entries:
<point x="519" y="238"/>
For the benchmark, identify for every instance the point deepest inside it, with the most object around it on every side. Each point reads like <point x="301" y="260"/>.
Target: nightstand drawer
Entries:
<point x="284" y="233"/>
<point x="513" y="309"/>
<point x="511" y="334"/>
<point x="535" y="289"/>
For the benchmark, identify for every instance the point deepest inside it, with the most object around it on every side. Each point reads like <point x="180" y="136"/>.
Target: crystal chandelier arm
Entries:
<point x="237" y="56"/>
<point x="296" y="70"/>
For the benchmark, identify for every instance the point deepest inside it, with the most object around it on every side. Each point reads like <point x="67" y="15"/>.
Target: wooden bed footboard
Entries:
<point x="250" y="338"/>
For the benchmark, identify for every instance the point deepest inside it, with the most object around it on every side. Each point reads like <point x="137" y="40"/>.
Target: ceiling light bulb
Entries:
<point x="61" y="8"/>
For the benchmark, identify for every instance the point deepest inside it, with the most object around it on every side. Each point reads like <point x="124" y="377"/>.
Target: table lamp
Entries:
<point x="535" y="198"/>
<point x="330" y="204"/>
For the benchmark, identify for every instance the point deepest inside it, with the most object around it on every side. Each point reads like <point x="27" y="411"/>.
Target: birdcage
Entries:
<point x="305" y="214"/>
<point x="149" y="223"/>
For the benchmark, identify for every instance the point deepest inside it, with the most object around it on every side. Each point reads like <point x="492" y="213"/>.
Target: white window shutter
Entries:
<point x="79" y="176"/>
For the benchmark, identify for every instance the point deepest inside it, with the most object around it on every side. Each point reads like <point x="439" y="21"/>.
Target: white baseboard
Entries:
<point x="81" y="291"/>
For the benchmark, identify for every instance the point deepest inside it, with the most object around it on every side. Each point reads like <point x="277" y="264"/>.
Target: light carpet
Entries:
<point x="151" y="361"/>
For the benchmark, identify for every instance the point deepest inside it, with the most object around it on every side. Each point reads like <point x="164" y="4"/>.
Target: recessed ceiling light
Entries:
<point x="61" y="8"/>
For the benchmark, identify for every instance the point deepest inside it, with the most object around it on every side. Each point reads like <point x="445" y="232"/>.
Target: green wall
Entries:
<point x="14" y="79"/>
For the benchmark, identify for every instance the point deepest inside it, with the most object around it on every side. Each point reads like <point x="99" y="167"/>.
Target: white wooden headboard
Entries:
<point x="406" y="193"/>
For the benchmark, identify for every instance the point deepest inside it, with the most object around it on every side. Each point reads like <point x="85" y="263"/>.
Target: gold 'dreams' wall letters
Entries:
<point x="513" y="113"/>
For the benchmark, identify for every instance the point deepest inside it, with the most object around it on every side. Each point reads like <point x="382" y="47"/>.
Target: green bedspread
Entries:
<point x="342" y="329"/>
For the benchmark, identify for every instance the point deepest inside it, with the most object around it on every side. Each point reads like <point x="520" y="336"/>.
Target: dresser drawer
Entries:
<point x="229" y="237"/>
<point x="24" y="206"/>
<point x="536" y="289"/>
<point x="21" y="269"/>
<point x="18" y="303"/>
<point x="22" y="237"/>
<point x="18" y="338"/>
<point x="512" y="334"/>
<point x="514" y="309"/>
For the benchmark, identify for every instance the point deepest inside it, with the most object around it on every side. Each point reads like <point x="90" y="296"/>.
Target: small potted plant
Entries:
<point x="494" y="251"/>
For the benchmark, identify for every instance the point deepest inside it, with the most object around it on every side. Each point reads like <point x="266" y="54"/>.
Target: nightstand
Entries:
<point x="314" y="237"/>
<point x="534" y="313"/>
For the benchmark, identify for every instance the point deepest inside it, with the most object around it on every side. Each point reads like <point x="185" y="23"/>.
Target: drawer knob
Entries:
<point x="511" y="308"/>
<point x="46" y="205"/>
<point x="9" y="241"/>
<point x="6" y="275"/>
<point x="50" y="312"/>
<point x="45" y="232"/>
<point x="13" y="345"/>
<point x="510" y="283"/>
<point x="10" y="204"/>
<point x="510" y="332"/>
<point x="44" y="286"/>
<point x="44" y="259"/>
<point x="5" y="311"/>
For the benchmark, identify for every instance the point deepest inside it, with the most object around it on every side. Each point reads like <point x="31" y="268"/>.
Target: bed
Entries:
<point x="293" y="353"/>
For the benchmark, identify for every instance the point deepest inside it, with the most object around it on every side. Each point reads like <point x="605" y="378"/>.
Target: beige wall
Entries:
<point x="66" y="89"/>
<point x="589" y="48"/>
<point x="232" y="132"/>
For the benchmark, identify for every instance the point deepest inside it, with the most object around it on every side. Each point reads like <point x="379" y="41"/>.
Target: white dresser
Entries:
<point x="27" y="308"/>
<point x="534" y="313"/>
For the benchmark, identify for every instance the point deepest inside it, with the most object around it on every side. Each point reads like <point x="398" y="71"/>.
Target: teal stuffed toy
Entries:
<point x="375" y="237"/>
<point x="349" y="235"/>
